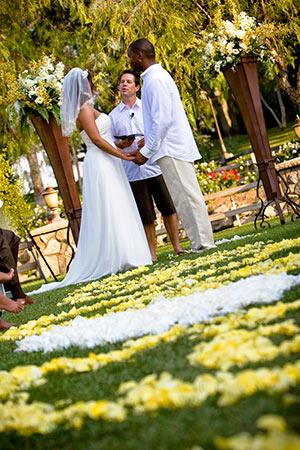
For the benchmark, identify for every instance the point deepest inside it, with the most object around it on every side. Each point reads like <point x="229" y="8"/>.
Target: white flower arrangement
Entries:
<point x="229" y="41"/>
<point x="39" y="89"/>
<point x="287" y="151"/>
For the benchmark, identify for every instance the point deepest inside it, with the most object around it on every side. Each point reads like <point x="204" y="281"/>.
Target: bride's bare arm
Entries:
<point x="87" y="121"/>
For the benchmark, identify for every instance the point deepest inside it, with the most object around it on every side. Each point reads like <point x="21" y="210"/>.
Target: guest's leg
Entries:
<point x="182" y="183"/>
<point x="171" y="224"/>
<point x="165" y="205"/>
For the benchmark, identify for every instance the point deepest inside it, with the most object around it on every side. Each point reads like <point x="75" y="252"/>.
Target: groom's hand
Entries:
<point x="139" y="159"/>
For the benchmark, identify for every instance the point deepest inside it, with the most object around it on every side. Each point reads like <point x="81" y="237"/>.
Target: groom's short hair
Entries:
<point x="144" y="46"/>
<point x="137" y="78"/>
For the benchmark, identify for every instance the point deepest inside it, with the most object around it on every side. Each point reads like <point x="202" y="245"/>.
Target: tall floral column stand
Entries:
<point x="57" y="148"/>
<point x="243" y="81"/>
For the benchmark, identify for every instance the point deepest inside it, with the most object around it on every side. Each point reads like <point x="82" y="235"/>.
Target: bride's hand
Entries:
<point x="126" y="156"/>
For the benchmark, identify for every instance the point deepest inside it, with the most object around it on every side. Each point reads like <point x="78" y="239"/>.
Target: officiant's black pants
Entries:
<point x="9" y="247"/>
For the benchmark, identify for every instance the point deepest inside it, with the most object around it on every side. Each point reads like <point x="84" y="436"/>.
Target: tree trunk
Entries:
<point x="235" y="129"/>
<point x="281" y="104"/>
<point x="36" y="177"/>
<point x="221" y="106"/>
<point x="271" y="111"/>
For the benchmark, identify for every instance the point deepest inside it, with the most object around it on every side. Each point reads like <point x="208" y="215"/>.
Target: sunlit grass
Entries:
<point x="240" y="143"/>
<point x="181" y="429"/>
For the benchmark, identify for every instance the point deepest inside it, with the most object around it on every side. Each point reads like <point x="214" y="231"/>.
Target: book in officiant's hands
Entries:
<point x="128" y="136"/>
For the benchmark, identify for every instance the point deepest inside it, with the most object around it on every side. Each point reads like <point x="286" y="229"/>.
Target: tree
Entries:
<point x="286" y="45"/>
<point x="95" y="34"/>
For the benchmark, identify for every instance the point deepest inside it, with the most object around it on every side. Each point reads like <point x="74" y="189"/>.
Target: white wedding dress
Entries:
<point x="112" y="236"/>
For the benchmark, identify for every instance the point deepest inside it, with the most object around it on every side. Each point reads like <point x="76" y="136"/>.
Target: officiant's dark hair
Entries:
<point x="137" y="78"/>
<point x="143" y="45"/>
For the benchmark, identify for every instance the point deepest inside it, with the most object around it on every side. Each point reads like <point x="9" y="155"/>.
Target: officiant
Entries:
<point x="146" y="181"/>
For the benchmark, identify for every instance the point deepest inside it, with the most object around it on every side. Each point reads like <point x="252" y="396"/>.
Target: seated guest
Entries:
<point x="9" y="247"/>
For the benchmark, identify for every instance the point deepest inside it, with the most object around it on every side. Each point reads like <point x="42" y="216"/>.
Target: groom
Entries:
<point x="169" y="141"/>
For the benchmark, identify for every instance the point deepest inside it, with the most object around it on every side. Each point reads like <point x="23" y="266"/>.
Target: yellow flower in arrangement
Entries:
<point x="154" y="392"/>
<point x="271" y="422"/>
<point x="246" y="383"/>
<point x="43" y="418"/>
<point x="275" y="437"/>
<point x="239" y="347"/>
<point x="38" y="89"/>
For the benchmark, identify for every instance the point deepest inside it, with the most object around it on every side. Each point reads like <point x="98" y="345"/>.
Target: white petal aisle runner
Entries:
<point x="161" y="314"/>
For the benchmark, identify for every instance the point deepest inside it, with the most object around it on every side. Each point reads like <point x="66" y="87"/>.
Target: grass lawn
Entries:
<point x="221" y="375"/>
<point x="240" y="143"/>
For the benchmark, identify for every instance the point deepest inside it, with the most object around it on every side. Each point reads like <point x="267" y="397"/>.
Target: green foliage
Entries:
<point x="15" y="207"/>
<point x="96" y="34"/>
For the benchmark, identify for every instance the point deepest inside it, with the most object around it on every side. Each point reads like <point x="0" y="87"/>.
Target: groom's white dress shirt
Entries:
<point x="126" y="121"/>
<point x="169" y="140"/>
<point x="166" y="127"/>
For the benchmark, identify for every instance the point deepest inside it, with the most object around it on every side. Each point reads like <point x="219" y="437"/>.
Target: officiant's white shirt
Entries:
<point x="125" y="121"/>
<point x="166" y="127"/>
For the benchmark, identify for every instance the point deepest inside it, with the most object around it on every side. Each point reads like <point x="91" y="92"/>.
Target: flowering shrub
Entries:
<point x="214" y="179"/>
<point x="217" y="181"/>
<point x="15" y="207"/>
<point x="287" y="151"/>
<point x="41" y="216"/>
<point x="38" y="89"/>
<point x="230" y="40"/>
<point x="247" y="170"/>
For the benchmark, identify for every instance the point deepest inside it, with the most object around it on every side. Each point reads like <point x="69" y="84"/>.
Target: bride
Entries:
<point x="111" y="236"/>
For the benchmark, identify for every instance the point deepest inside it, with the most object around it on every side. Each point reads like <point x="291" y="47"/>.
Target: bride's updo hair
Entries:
<point x="90" y="79"/>
<point x="76" y="92"/>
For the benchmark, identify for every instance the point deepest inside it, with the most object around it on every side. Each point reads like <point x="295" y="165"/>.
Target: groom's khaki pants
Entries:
<point x="181" y="180"/>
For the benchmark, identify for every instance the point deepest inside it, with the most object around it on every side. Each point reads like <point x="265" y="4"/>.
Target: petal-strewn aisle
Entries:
<point x="162" y="314"/>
